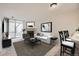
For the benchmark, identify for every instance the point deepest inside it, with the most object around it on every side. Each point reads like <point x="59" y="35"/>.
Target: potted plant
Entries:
<point x="24" y="31"/>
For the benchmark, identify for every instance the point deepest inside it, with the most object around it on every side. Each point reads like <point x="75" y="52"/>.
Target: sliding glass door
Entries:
<point x="15" y="28"/>
<point x="18" y="29"/>
<point x="11" y="28"/>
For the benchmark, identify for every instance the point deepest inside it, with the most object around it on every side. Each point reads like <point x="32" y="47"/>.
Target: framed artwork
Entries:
<point x="30" y="24"/>
<point x="46" y="27"/>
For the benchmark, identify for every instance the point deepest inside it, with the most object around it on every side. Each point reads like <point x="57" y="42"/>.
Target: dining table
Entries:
<point x="75" y="38"/>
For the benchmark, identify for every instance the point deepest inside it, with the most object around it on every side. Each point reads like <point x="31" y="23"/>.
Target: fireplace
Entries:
<point x="31" y="33"/>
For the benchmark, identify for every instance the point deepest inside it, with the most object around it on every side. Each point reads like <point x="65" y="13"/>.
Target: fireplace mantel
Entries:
<point x="30" y="29"/>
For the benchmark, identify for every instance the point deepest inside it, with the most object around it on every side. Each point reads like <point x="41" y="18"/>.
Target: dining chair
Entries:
<point x="67" y="47"/>
<point x="66" y="35"/>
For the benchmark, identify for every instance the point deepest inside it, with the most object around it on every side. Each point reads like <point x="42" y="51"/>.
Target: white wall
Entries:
<point x="65" y="16"/>
<point x="0" y="35"/>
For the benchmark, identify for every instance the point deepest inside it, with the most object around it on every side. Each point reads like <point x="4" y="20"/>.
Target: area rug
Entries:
<point x="24" y="49"/>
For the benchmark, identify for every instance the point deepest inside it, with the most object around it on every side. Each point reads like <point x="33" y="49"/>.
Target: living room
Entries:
<point x="61" y="17"/>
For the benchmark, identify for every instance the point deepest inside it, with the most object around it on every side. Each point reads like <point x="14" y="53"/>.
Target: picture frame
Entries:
<point x="30" y="24"/>
<point x="46" y="27"/>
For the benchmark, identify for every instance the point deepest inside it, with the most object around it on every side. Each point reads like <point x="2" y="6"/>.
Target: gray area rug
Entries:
<point x="23" y="49"/>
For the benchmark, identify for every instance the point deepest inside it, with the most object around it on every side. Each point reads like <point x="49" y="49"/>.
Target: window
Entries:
<point x="15" y="28"/>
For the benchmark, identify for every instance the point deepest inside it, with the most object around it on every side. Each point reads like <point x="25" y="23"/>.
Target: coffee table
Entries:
<point x="34" y="41"/>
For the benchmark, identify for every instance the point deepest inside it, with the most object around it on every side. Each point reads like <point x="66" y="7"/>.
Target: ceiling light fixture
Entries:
<point x="53" y="5"/>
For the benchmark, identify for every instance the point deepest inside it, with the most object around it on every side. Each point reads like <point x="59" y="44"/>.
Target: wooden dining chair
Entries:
<point x="66" y="46"/>
<point x="66" y="35"/>
<point x="61" y="39"/>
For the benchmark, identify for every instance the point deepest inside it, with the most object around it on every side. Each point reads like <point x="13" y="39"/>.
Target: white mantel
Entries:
<point x="31" y="29"/>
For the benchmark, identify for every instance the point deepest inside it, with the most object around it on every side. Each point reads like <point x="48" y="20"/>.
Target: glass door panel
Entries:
<point x="19" y="27"/>
<point x="11" y="29"/>
<point x="15" y="28"/>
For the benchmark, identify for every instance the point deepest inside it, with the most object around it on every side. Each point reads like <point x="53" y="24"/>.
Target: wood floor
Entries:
<point x="55" y="51"/>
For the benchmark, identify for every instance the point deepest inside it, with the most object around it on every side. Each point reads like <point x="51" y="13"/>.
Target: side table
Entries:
<point x="53" y="39"/>
<point x="6" y="43"/>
